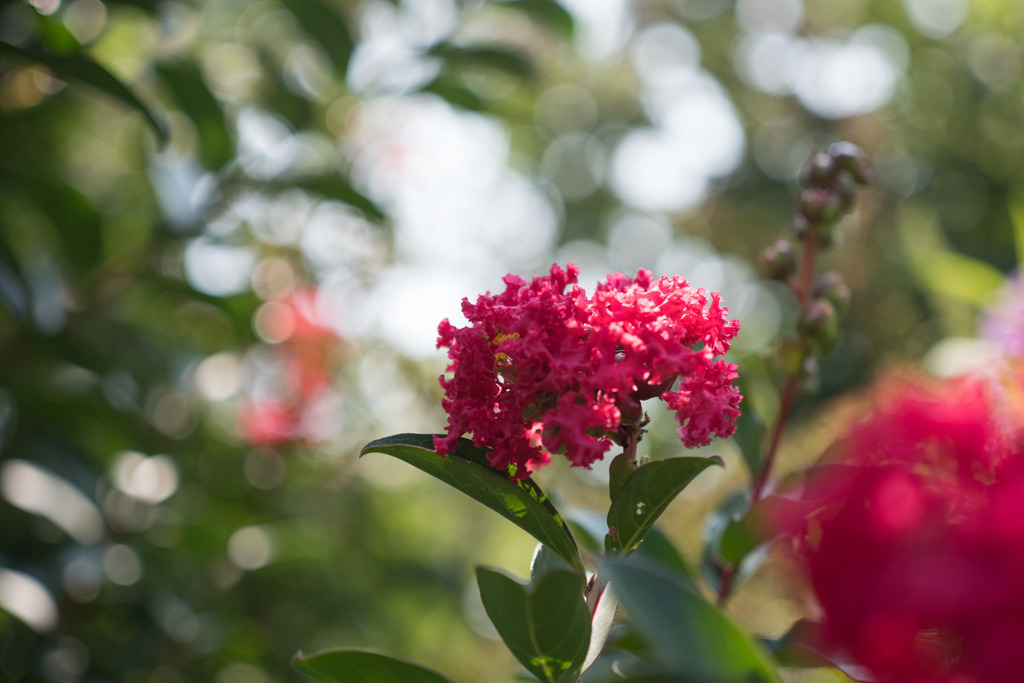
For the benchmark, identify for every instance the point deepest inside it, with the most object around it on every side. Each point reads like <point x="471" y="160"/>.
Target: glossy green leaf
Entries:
<point x="545" y="625"/>
<point x="547" y="12"/>
<point x="689" y="636"/>
<point x="186" y="83"/>
<point x="356" y="666"/>
<point x="545" y="560"/>
<point x="81" y="68"/>
<point x="620" y="469"/>
<point x="646" y="494"/>
<point x="324" y="25"/>
<point x="467" y="469"/>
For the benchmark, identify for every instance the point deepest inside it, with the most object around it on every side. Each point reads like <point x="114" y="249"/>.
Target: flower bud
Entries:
<point x="818" y="205"/>
<point x="819" y="327"/>
<point x="648" y="390"/>
<point x="849" y="157"/>
<point x="832" y="287"/>
<point x="819" y="170"/>
<point x="630" y="410"/>
<point x="824" y="232"/>
<point x="778" y="262"/>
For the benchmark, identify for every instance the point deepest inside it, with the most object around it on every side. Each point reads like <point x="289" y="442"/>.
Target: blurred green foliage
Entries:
<point x="224" y="556"/>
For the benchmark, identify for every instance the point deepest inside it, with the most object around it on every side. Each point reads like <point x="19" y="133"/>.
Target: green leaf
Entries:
<point x="732" y="539"/>
<point x="356" y="666"/>
<point x="324" y="25"/>
<point x="546" y="625"/>
<point x="467" y="469"/>
<point x="688" y="635"/>
<point x="545" y="560"/>
<point x="454" y="93"/>
<point x="79" y="67"/>
<point x="547" y="12"/>
<point x="645" y="495"/>
<point x="186" y="83"/>
<point x="486" y="56"/>
<point x="588" y="527"/>
<point x="621" y="468"/>
<point x="657" y="548"/>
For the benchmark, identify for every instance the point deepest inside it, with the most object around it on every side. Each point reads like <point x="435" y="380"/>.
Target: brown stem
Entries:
<point x="802" y="288"/>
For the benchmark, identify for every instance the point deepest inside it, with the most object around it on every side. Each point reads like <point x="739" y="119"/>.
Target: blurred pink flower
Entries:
<point x="267" y="423"/>
<point x="917" y="554"/>
<point x="306" y="359"/>
<point x="1003" y="322"/>
<point x="543" y="369"/>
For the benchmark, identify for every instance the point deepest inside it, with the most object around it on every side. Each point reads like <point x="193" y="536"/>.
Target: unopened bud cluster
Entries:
<point x="827" y="188"/>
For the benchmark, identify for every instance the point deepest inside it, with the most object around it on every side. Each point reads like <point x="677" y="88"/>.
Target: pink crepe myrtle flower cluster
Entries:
<point x="917" y="554"/>
<point x="542" y="368"/>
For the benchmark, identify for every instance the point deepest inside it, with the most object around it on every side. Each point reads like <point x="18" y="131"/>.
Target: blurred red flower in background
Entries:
<point x="304" y="354"/>
<point x="917" y="553"/>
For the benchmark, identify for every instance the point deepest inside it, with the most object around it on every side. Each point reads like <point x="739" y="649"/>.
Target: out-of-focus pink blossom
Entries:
<point x="917" y="553"/>
<point x="305" y="358"/>
<point x="1003" y="323"/>
<point x="544" y="369"/>
<point x="267" y="423"/>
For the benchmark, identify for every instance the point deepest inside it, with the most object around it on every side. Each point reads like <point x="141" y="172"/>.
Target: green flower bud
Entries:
<point x="819" y="327"/>
<point x="832" y="287"/>
<point x="778" y="262"/>
<point x="818" y="205"/>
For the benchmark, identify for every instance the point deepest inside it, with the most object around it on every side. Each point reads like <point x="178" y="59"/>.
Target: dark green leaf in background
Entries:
<point x="454" y="93"/>
<point x="731" y="541"/>
<point x="186" y="83"/>
<point x="689" y="636"/>
<point x="545" y="625"/>
<point x="355" y="666"/>
<point x="324" y="25"/>
<point x="467" y="469"/>
<point x="333" y="186"/>
<point x="84" y="69"/>
<point x="646" y="494"/>
<point x="547" y="12"/>
<point x="485" y="56"/>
